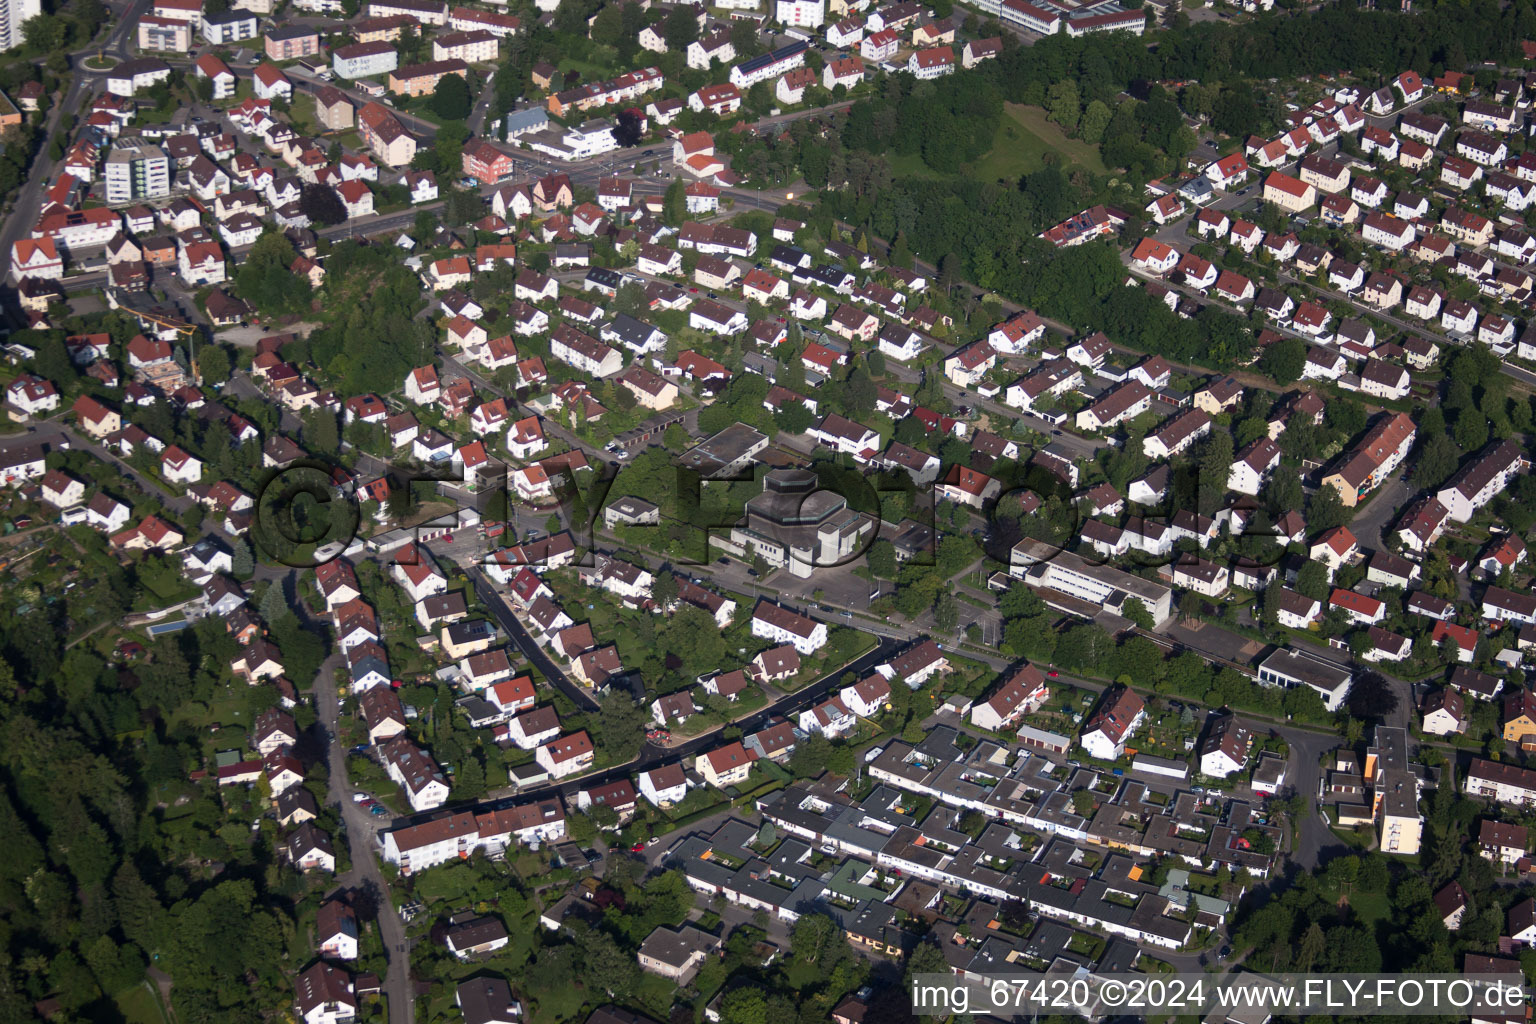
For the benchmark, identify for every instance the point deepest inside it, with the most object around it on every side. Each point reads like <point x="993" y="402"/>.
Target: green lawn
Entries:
<point x="589" y="70"/>
<point x="1371" y="906"/>
<point x="302" y="116"/>
<point x="1023" y="138"/>
<point x="226" y="708"/>
<point x="140" y="1005"/>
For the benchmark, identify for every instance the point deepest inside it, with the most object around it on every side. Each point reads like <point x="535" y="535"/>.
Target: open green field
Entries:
<point x="1023" y="139"/>
<point x="140" y="1005"/>
<point x="1371" y="906"/>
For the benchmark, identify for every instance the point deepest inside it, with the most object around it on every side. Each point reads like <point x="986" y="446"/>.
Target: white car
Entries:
<point x="359" y="798"/>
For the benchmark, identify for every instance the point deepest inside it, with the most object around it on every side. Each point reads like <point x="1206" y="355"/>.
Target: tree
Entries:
<point x="1311" y="949"/>
<point x="1345" y="415"/>
<point x="744" y="38"/>
<point x="816" y="937"/>
<point x="45" y="32"/>
<point x="946" y="613"/>
<point x="859" y="393"/>
<point x="743" y="1005"/>
<point x="810" y="756"/>
<point x="664" y="590"/>
<point x="628" y="130"/>
<point x="1064" y="105"/>
<point x="461" y="206"/>
<point x="674" y="203"/>
<point x="1095" y="119"/>
<point x="679" y="28"/>
<point x="469" y="781"/>
<point x="608" y="26"/>
<point x="759" y="98"/>
<point x="1312" y="581"/>
<point x="1136" y="610"/>
<point x="580" y="828"/>
<point x="693" y="637"/>
<point x="925" y="958"/>
<point x="1471" y="430"/>
<point x="949" y="271"/>
<point x="604" y="964"/>
<point x="322" y="205"/>
<point x="213" y="364"/>
<point x="1284" y="360"/>
<point x="1371" y="697"/>
<point x="264" y="278"/>
<point x="401" y="502"/>
<point x="1326" y="509"/>
<point x="1436" y="462"/>
<point x="794" y="417"/>
<point x="881" y="559"/>
<point x="321" y="432"/>
<point x="53" y="362"/>
<point x="1215" y="460"/>
<point x="1284" y="491"/>
<point x="1235" y="111"/>
<point x="620" y="727"/>
<point x="451" y="100"/>
<point x="1083" y="647"/>
<point x="243" y="564"/>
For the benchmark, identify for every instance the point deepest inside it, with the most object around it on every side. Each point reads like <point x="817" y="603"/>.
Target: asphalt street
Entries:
<point x="361" y="837"/>
<point x="496" y="603"/>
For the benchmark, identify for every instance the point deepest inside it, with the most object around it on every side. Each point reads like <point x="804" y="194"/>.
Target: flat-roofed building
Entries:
<point x="1289" y="667"/>
<point x="1045" y="565"/>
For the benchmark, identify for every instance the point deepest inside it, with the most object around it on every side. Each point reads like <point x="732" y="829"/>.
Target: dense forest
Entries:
<point x="115" y="861"/>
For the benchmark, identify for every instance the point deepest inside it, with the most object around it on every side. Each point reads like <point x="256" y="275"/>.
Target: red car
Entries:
<point x="637" y="848"/>
<point x="1053" y="673"/>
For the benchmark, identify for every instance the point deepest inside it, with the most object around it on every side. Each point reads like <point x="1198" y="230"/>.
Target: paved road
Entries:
<point x="502" y="612"/>
<point x="1371" y="525"/>
<point x="82" y="83"/>
<point x="360" y="826"/>
<point x="1314" y="842"/>
<point x="82" y="442"/>
<point x="789" y="706"/>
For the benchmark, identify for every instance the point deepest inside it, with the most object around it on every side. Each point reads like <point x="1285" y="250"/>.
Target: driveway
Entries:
<point x="1313" y="841"/>
<point x="1371" y="525"/>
